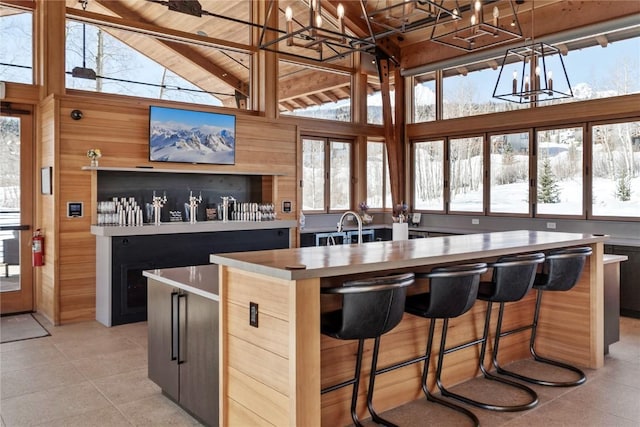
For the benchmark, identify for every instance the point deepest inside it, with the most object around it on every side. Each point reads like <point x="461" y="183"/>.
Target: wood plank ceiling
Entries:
<point x="227" y="72"/>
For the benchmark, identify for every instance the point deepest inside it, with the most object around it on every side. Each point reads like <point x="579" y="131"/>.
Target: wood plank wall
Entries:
<point x="45" y="277"/>
<point x="120" y="129"/>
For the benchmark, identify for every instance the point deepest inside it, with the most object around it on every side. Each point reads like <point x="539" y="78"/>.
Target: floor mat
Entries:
<point x="20" y="327"/>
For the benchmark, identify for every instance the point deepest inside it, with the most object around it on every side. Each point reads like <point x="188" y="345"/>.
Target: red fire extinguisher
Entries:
<point x="37" y="248"/>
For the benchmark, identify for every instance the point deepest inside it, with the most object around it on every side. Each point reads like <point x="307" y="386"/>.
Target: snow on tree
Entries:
<point x="548" y="191"/>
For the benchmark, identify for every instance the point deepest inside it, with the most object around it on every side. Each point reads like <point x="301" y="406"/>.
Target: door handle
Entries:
<point x="182" y="326"/>
<point x="175" y="334"/>
<point x="20" y="227"/>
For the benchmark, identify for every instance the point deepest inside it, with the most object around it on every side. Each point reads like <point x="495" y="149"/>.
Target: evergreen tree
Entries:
<point x="548" y="191"/>
<point x="623" y="189"/>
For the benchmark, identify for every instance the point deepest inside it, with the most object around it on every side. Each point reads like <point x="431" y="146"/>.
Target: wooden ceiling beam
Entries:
<point x="286" y="106"/>
<point x="297" y="103"/>
<point x="315" y="99"/>
<point x="550" y="18"/>
<point x="189" y="53"/>
<point x="304" y="83"/>
<point x="331" y="96"/>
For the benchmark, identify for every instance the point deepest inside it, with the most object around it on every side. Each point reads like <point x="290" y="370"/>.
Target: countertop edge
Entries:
<point x="185" y="227"/>
<point x="298" y="274"/>
<point x="154" y="275"/>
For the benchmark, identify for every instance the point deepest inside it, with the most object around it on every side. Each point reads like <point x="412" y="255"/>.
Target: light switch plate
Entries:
<point x="253" y="314"/>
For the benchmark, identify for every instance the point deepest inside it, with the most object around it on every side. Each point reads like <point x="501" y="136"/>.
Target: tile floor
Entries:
<point x="87" y="375"/>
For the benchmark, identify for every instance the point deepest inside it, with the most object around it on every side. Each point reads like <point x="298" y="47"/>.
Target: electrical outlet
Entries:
<point x="551" y="225"/>
<point x="253" y="314"/>
<point x="475" y="221"/>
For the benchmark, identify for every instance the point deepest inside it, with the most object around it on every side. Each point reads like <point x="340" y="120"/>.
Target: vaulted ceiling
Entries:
<point x="192" y="46"/>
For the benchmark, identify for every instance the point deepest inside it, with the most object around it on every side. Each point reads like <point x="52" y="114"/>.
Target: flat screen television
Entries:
<point x="187" y="136"/>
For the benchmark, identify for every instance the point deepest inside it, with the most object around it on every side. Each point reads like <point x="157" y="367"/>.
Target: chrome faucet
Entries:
<point x="357" y="217"/>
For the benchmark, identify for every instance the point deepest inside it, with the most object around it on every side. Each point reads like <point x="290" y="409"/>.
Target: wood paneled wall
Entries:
<point x="45" y="277"/>
<point x="120" y="128"/>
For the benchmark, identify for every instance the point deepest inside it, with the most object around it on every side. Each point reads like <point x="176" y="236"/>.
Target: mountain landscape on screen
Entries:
<point x="192" y="137"/>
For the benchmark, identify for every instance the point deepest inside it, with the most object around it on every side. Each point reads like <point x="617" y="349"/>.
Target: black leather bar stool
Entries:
<point x="370" y="308"/>
<point x="561" y="271"/>
<point x="452" y="292"/>
<point x="512" y="279"/>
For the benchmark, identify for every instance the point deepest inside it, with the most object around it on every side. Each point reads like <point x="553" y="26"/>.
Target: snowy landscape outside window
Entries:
<point x="560" y="171"/>
<point x="615" y="159"/>
<point x="326" y="175"/>
<point x="509" y="173"/>
<point x="378" y="186"/>
<point x="466" y="171"/>
<point x="428" y="167"/>
<point x="16" y="49"/>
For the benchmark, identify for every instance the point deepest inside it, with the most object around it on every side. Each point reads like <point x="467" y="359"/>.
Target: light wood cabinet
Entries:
<point x="183" y="348"/>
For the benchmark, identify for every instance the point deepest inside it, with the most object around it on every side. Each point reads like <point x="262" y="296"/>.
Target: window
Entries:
<point x="593" y="72"/>
<point x="615" y="161"/>
<point x="326" y="94"/>
<point x="471" y="93"/>
<point x="153" y="72"/>
<point x="326" y="174"/>
<point x="424" y="98"/>
<point x="428" y="166"/>
<point x="509" y="173"/>
<point x="378" y="185"/>
<point x="374" y="101"/>
<point x="560" y="171"/>
<point x="16" y="49"/>
<point x="597" y="72"/>
<point x="465" y="174"/>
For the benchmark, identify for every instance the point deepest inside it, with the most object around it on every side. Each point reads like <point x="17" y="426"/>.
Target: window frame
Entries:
<point x="327" y="172"/>
<point x="385" y="175"/>
<point x="585" y="166"/>
<point x="445" y="169"/>
<point x="531" y="179"/>
<point x="447" y="174"/>
<point x="589" y="173"/>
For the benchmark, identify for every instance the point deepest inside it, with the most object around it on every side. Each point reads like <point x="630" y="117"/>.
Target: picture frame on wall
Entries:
<point x="45" y="180"/>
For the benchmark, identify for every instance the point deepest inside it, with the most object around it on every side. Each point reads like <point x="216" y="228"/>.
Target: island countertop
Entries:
<point x="328" y="261"/>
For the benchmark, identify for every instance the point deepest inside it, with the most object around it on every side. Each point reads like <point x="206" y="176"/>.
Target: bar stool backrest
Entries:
<point x="452" y="290"/>
<point x="513" y="276"/>
<point x="562" y="269"/>
<point x="370" y="307"/>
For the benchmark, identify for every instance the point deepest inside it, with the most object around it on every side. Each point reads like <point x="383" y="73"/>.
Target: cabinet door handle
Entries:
<point x="182" y="325"/>
<point x="175" y="334"/>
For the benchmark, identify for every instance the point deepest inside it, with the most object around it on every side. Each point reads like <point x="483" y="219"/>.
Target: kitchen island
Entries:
<point x="274" y="361"/>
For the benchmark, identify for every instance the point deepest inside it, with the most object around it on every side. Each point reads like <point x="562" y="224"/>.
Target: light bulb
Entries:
<point x="549" y="75"/>
<point x="515" y="74"/>
<point x="288" y="13"/>
<point x="537" y="70"/>
<point x="473" y="19"/>
<point x="455" y="12"/>
<point x="318" y="21"/>
<point x="340" y="11"/>
<point x="478" y="5"/>
<point x="496" y="12"/>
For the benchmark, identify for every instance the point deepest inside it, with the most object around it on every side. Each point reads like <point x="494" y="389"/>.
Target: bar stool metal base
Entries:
<point x="534" y="328"/>
<point x="430" y="397"/>
<point x="533" y="401"/>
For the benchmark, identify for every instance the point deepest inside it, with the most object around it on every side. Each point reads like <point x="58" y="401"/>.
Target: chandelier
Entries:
<point x="401" y="16"/>
<point x="477" y="25"/>
<point x="307" y="30"/>
<point x="526" y="75"/>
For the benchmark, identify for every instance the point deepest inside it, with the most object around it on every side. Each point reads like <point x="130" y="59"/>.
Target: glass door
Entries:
<point x="16" y="208"/>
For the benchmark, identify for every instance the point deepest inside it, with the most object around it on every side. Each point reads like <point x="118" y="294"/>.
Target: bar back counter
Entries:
<point x="274" y="362"/>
